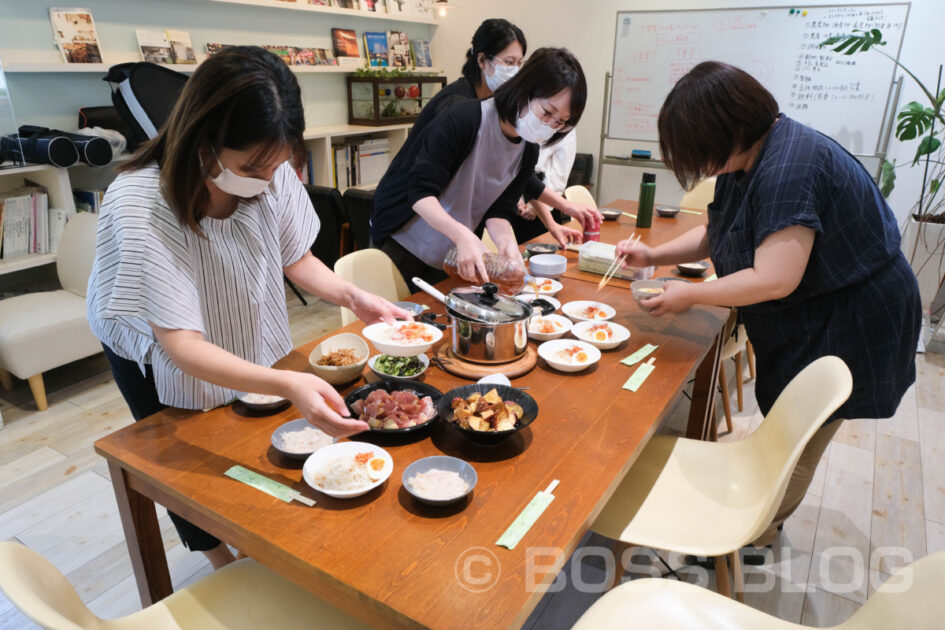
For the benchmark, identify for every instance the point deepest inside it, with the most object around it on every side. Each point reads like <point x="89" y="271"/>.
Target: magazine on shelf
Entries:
<point x="343" y="4"/>
<point x="375" y="46"/>
<point x="373" y="6"/>
<point x="154" y="46"/>
<point x="345" y="45"/>
<point x="214" y="47"/>
<point x="420" y="51"/>
<point x="320" y="3"/>
<point x="411" y="8"/>
<point x="181" y="46"/>
<point x="398" y="46"/>
<point x="74" y="32"/>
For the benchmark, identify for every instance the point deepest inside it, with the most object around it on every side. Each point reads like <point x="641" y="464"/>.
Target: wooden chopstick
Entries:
<point x="615" y="266"/>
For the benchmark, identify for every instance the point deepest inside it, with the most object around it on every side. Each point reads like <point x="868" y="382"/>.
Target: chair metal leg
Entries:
<point x="737" y="576"/>
<point x="722" y="584"/>
<point x="726" y="403"/>
<point x="620" y="548"/>
<point x="295" y="290"/>
<point x="6" y="380"/>
<point x="39" y="391"/>
<point x="750" y="352"/>
<point x="738" y="380"/>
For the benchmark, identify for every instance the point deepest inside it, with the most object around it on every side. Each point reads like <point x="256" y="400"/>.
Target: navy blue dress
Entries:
<point x="858" y="298"/>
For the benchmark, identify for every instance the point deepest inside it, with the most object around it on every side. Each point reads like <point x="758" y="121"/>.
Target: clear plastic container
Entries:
<point x="506" y="273"/>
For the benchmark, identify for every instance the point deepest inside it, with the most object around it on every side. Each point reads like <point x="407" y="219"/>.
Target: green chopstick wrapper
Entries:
<point x="640" y="354"/>
<point x="634" y="382"/>
<point x="524" y="521"/>
<point x="267" y="485"/>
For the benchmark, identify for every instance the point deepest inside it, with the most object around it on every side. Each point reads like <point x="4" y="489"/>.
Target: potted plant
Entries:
<point x="924" y="230"/>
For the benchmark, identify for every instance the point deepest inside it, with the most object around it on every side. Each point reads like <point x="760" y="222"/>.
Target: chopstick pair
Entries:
<point x="615" y="266"/>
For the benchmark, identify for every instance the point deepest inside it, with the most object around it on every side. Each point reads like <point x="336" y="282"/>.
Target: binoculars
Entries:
<point x="42" y="145"/>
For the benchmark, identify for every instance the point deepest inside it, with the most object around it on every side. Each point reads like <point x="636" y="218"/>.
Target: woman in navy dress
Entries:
<point x="803" y="244"/>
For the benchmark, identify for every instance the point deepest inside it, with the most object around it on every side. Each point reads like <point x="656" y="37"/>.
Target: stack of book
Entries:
<point x="361" y="163"/>
<point x="27" y="224"/>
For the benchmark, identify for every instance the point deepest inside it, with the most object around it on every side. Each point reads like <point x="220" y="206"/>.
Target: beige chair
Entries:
<point x="244" y="594"/>
<point x="735" y="347"/>
<point x="581" y="195"/>
<point x="911" y="598"/>
<point x="41" y="331"/>
<point x="711" y="498"/>
<point x="373" y="271"/>
<point x="700" y="196"/>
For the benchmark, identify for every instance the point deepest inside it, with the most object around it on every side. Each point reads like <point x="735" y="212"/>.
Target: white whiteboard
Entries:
<point x="842" y="96"/>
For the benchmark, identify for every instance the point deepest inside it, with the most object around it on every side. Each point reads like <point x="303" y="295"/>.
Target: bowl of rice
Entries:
<point x="339" y="359"/>
<point x="298" y="439"/>
<point x="439" y="480"/>
<point x="347" y="469"/>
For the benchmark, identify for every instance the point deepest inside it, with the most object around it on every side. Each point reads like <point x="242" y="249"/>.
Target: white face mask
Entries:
<point x="238" y="185"/>
<point x="500" y="74"/>
<point x="532" y="129"/>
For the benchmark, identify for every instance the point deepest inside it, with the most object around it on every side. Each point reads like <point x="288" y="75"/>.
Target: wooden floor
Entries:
<point x="880" y="485"/>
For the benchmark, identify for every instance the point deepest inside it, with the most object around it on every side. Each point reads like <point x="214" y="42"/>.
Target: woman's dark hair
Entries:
<point x="242" y="97"/>
<point x="491" y="38"/>
<point x="547" y="72"/>
<point x="712" y="113"/>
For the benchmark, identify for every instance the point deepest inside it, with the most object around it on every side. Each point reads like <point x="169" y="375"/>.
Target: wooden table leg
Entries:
<point x="143" y="535"/>
<point x="703" y="393"/>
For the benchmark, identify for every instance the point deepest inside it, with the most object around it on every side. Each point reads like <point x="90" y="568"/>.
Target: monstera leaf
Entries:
<point x="860" y="41"/>
<point x="887" y="179"/>
<point x="928" y="145"/>
<point x="914" y="120"/>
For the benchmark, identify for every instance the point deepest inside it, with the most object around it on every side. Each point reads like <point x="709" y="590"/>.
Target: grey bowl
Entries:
<point x="667" y="211"/>
<point x="693" y="270"/>
<point x="294" y="425"/>
<point x="441" y="462"/>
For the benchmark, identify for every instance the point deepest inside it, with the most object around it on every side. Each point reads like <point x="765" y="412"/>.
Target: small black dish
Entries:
<point x="420" y="389"/>
<point x="541" y="248"/>
<point x="667" y="211"/>
<point x="488" y="438"/>
<point x="693" y="270"/>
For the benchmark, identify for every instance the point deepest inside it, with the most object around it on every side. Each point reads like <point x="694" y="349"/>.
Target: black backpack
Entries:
<point x="144" y="94"/>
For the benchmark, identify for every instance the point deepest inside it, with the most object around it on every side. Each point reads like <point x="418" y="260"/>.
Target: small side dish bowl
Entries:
<point x="534" y="249"/>
<point x="411" y="307"/>
<point x="337" y="375"/>
<point x="440" y="462"/>
<point x="560" y="323"/>
<point x="693" y="269"/>
<point x="550" y="352"/>
<point x="578" y="311"/>
<point x="528" y="298"/>
<point x="645" y="289"/>
<point x="424" y="359"/>
<point x="263" y="402"/>
<point x="667" y="211"/>
<point x="596" y="334"/>
<point x="547" y="265"/>
<point x="380" y="335"/>
<point x="610" y="214"/>
<point x="315" y="466"/>
<point x="541" y="286"/>
<point x="299" y="424"/>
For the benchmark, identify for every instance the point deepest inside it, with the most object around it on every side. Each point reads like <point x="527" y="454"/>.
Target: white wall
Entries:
<point x="587" y="28"/>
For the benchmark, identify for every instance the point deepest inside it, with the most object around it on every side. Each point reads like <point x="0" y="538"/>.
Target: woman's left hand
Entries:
<point x="564" y="234"/>
<point x="589" y="217"/>
<point x="511" y="251"/>
<point x="675" y="298"/>
<point x="372" y="308"/>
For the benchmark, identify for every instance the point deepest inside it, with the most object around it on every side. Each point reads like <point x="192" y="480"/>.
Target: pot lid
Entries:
<point x="482" y="304"/>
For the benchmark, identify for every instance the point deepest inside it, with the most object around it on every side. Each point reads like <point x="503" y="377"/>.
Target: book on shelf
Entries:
<point x="420" y="52"/>
<point x="344" y="4"/>
<point x="360" y="163"/>
<point x="411" y="8"/>
<point x="88" y="199"/>
<point x="154" y="46"/>
<point x="181" y="46"/>
<point x="398" y="49"/>
<point x="214" y="47"/>
<point x="373" y="6"/>
<point x="25" y="221"/>
<point x="345" y="46"/>
<point x="320" y="3"/>
<point x="375" y="46"/>
<point x="57" y="223"/>
<point x="75" y="35"/>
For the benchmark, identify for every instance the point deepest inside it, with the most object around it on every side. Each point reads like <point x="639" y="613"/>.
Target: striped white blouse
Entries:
<point x="151" y="268"/>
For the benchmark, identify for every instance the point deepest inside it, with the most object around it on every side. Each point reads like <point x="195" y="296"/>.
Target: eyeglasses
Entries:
<point x="548" y="118"/>
<point x="510" y="62"/>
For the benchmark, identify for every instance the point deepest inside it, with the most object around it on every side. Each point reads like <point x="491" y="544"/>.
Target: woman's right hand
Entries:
<point x="637" y="254"/>
<point x="470" y="250"/>
<point x="321" y="405"/>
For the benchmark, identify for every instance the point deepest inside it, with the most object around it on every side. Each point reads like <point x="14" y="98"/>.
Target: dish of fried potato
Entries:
<point x="486" y="412"/>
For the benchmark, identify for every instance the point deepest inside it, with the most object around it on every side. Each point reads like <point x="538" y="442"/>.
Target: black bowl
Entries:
<point x="488" y="438"/>
<point x="693" y="270"/>
<point x="667" y="211"/>
<point x="541" y="248"/>
<point x="421" y="389"/>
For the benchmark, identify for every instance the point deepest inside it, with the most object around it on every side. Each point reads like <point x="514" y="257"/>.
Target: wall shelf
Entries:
<point x="302" y="5"/>
<point x="25" y="262"/>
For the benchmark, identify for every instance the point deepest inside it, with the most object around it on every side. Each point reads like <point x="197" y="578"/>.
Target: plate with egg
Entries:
<point x="601" y="335"/>
<point x="569" y="355"/>
<point x="545" y="327"/>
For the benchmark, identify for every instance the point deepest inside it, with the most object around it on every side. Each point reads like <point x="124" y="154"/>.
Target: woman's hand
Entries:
<point x="564" y="234"/>
<point x="526" y="210"/>
<point x="675" y="298"/>
<point x="321" y="405"/>
<point x="589" y="217"/>
<point x="511" y="252"/>
<point x="470" y="250"/>
<point x="637" y="254"/>
<point x="372" y="308"/>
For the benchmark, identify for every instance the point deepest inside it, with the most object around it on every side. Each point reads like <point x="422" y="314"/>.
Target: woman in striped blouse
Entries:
<point x="187" y="293"/>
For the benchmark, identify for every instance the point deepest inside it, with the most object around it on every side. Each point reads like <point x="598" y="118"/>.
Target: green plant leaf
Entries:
<point x="929" y="144"/>
<point x="914" y="120"/>
<point x="858" y="41"/>
<point x="887" y="178"/>
<point x="933" y="186"/>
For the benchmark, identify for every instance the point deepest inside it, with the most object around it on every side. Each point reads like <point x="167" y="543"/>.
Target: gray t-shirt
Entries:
<point x="487" y="171"/>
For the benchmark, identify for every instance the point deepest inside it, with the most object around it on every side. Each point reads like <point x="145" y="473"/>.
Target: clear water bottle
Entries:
<point x="506" y="273"/>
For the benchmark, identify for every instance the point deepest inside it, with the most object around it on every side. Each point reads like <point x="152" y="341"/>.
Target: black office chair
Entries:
<point x="327" y="246"/>
<point x="358" y="207"/>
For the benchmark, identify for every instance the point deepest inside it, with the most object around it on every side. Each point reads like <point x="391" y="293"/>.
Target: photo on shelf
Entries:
<point x="181" y="46"/>
<point x="375" y="45"/>
<point x="154" y="46"/>
<point x="373" y="6"/>
<point x="75" y="35"/>
<point x="410" y="8"/>
<point x="420" y="51"/>
<point x="398" y="49"/>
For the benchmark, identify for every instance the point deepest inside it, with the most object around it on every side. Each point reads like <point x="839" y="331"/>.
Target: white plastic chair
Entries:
<point x="244" y="594"/>
<point x="712" y="498"/>
<point x="700" y="196"/>
<point x="581" y="195"/>
<point x="910" y="598"/>
<point x="736" y="345"/>
<point x="373" y="271"/>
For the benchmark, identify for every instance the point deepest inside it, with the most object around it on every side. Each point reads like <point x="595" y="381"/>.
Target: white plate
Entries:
<point x="560" y="319"/>
<point x="527" y="298"/>
<point x="549" y="350"/>
<point x="379" y="335"/>
<point x="551" y="287"/>
<point x="620" y="334"/>
<point x="573" y="310"/>
<point x="328" y="453"/>
<point x="390" y="377"/>
<point x="495" y="379"/>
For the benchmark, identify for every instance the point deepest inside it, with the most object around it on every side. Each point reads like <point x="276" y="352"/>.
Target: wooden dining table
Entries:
<point x="384" y="557"/>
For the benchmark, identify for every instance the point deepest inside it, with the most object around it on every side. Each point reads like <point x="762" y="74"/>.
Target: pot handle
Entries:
<point x="430" y="318"/>
<point x="428" y="288"/>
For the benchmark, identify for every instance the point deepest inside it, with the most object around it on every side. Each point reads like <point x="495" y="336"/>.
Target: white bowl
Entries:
<point x="528" y="298"/>
<point x="379" y="335"/>
<point x="693" y="269"/>
<point x="541" y="336"/>
<point x="549" y="287"/>
<point x="642" y="289"/>
<point x="549" y="350"/>
<point x="263" y="402"/>
<point x="328" y="453"/>
<point x="424" y="359"/>
<point x="620" y="334"/>
<point x="495" y="379"/>
<point x="573" y="310"/>
<point x="295" y="425"/>
<point x="337" y="375"/>
<point x="547" y="265"/>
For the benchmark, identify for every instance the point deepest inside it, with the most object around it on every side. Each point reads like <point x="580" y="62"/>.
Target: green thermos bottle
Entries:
<point x="645" y="206"/>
